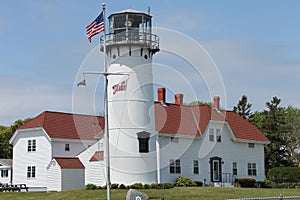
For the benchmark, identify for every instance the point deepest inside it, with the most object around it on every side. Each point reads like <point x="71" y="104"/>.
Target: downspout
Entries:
<point x="158" y="158"/>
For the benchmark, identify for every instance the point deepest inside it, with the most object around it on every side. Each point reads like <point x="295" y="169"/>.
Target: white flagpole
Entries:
<point x="106" y="112"/>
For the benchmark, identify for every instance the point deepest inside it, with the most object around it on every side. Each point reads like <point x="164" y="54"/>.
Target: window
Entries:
<point x="174" y="139"/>
<point x="31" y="172"/>
<point x="175" y="167"/>
<point x="211" y="135"/>
<point x="218" y="133"/>
<point x="251" y="169"/>
<point x="196" y="167"/>
<point x="31" y="147"/>
<point x="234" y="168"/>
<point x="4" y="173"/>
<point x="67" y="147"/>
<point x="251" y="145"/>
<point x="143" y="138"/>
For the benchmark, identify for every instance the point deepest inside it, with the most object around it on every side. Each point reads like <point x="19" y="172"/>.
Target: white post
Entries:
<point x="106" y="112"/>
<point x="158" y="158"/>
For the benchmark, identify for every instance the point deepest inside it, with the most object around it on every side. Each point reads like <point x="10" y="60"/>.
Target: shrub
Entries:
<point x="184" y="181"/>
<point x="155" y="186"/>
<point x="99" y="187"/>
<point x="136" y="186"/>
<point x="122" y="186"/>
<point x="246" y="182"/>
<point x="167" y="185"/>
<point x="199" y="183"/>
<point x="284" y="174"/>
<point x="146" y="186"/>
<point x="114" y="186"/>
<point x="91" y="187"/>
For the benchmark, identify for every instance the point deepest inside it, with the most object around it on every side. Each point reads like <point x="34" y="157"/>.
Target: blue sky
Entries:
<point x="254" y="44"/>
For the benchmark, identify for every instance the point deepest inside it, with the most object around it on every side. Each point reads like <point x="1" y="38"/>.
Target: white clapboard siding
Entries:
<point x="54" y="177"/>
<point x="189" y="149"/>
<point x="94" y="170"/>
<point x="40" y="158"/>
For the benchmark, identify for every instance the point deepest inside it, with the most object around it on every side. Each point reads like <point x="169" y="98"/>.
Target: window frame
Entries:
<point x="211" y="135"/>
<point x="67" y="147"/>
<point x="31" y="171"/>
<point x="175" y="139"/>
<point x="234" y="168"/>
<point x="251" y="145"/>
<point x="31" y="145"/>
<point x="4" y="173"/>
<point x="175" y="166"/>
<point x="252" y="169"/>
<point x="196" y="167"/>
<point x="218" y="135"/>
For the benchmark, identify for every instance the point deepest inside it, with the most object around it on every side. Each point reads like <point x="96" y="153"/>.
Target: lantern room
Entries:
<point x="130" y="27"/>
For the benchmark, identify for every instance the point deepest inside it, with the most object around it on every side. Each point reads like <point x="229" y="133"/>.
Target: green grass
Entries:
<point x="190" y="193"/>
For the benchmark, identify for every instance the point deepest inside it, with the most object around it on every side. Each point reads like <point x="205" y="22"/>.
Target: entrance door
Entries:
<point x="216" y="169"/>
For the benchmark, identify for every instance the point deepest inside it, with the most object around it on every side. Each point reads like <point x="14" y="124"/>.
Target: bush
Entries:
<point x="199" y="183"/>
<point x="246" y="182"/>
<point x="155" y="186"/>
<point x="167" y="185"/>
<point x="184" y="181"/>
<point x="114" y="186"/>
<point x="91" y="187"/>
<point x="265" y="184"/>
<point x="99" y="187"/>
<point x="136" y="186"/>
<point x="146" y="186"/>
<point x="284" y="174"/>
<point x="122" y="186"/>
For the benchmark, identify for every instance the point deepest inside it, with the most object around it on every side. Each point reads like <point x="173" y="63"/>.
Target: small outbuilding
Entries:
<point x="6" y="171"/>
<point x="65" y="174"/>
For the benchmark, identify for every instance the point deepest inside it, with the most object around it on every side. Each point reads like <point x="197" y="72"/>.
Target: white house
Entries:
<point x="6" y="171"/>
<point x="50" y="135"/>
<point x="150" y="142"/>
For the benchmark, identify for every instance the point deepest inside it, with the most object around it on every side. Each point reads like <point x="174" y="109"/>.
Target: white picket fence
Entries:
<point x="267" y="198"/>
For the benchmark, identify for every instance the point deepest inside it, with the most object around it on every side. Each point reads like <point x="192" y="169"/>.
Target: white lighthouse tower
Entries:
<point x="130" y="46"/>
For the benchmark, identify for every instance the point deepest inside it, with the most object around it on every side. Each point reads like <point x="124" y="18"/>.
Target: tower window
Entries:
<point x="143" y="138"/>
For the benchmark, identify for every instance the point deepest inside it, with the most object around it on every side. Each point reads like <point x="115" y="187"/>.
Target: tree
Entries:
<point x="275" y="127"/>
<point x="199" y="103"/>
<point x="243" y="108"/>
<point x="5" y="134"/>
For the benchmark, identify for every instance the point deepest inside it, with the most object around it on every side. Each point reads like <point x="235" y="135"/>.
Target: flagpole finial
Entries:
<point x="103" y="4"/>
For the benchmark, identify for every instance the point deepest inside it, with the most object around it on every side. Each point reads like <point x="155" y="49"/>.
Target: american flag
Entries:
<point x="96" y="27"/>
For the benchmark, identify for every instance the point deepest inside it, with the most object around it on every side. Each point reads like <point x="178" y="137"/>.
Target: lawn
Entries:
<point x="190" y="193"/>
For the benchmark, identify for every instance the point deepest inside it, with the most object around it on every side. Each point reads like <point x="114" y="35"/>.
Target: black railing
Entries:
<point x="133" y="36"/>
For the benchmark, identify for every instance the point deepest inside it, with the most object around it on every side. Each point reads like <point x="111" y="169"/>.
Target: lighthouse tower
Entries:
<point x="130" y="46"/>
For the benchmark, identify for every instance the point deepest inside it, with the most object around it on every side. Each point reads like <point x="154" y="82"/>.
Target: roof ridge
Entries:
<point x="69" y="113"/>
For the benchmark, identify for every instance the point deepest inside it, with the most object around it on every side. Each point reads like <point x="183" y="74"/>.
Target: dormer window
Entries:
<point x="67" y="147"/>
<point x="143" y="138"/>
<point x="251" y="145"/>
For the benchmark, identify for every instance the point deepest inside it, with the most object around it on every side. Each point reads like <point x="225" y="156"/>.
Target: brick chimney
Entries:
<point x="217" y="102"/>
<point x="161" y="95"/>
<point x="179" y="99"/>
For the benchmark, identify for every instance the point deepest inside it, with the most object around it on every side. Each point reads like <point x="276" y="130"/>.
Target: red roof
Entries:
<point x="99" y="155"/>
<point x="69" y="163"/>
<point x="192" y="120"/>
<point x="169" y="118"/>
<point x="68" y="126"/>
